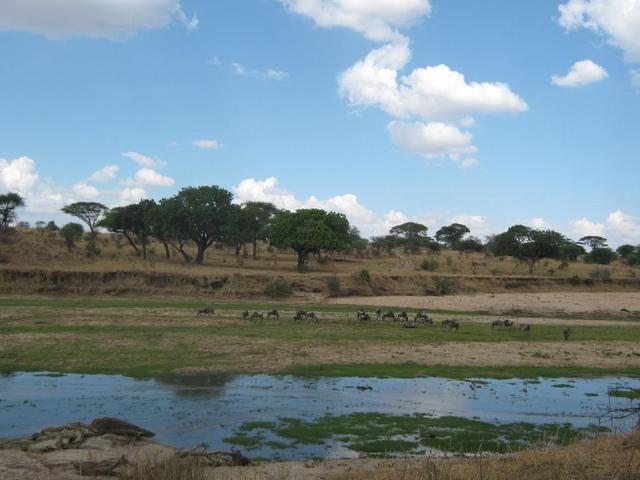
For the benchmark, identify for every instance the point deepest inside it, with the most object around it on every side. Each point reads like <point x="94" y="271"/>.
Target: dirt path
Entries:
<point x="539" y="303"/>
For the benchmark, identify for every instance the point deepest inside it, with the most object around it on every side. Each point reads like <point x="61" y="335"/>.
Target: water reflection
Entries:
<point x="187" y="410"/>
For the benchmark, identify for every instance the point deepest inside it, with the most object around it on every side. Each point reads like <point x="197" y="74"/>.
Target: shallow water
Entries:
<point x="185" y="411"/>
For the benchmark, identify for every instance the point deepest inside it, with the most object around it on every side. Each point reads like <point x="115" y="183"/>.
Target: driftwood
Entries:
<point x="215" y="458"/>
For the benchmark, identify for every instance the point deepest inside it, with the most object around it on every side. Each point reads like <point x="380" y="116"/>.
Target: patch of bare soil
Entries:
<point x="604" y="303"/>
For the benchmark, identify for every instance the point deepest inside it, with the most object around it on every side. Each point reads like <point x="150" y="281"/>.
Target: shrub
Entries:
<point x="333" y="284"/>
<point x="600" y="274"/>
<point x="589" y="282"/>
<point x="71" y="232"/>
<point x="429" y="265"/>
<point x="364" y="275"/>
<point x="602" y="255"/>
<point x="278" y="288"/>
<point x="444" y="286"/>
<point x="575" y="280"/>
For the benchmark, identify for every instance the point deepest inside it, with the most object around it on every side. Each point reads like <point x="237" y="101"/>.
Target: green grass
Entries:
<point x="633" y="394"/>
<point x="380" y="434"/>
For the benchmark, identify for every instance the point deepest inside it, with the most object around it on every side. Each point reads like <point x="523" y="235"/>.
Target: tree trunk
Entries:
<point x="238" y="248"/>
<point x="133" y="244"/>
<point x="531" y="265"/>
<point x="200" y="254"/>
<point x="167" y="252"/>
<point x="255" y="250"/>
<point x="244" y="250"/>
<point x="302" y="259"/>
<point x="144" y="251"/>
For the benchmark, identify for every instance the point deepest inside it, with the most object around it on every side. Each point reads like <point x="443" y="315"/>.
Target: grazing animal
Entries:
<point x="509" y="323"/>
<point x="567" y="333"/>
<point x="378" y="313"/>
<point x="390" y="315"/>
<point x="312" y="316"/>
<point x="453" y="324"/>
<point x="365" y="317"/>
<point x="403" y="316"/>
<point x="257" y="315"/>
<point x="525" y="327"/>
<point x="245" y="315"/>
<point x="301" y="313"/>
<point x="299" y="316"/>
<point x="274" y="314"/>
<point x="361" y="313"/>
<point x="205" y="311"/>
<point x="409" y="324"/>
<point x="422" y="317"/>
<point x="497" y="323"/>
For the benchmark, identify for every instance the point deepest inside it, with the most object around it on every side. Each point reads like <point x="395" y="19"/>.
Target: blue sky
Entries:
<point x="354" y="106"/>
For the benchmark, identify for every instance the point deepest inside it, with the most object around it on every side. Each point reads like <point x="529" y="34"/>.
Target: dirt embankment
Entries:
<point x="310" y="285"/>
<point x="623" y="304"/>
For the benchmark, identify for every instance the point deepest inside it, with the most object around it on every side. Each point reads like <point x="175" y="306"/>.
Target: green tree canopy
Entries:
<point x="528" y="245"/>
<point x="601" y="255"/>
<point x="593" y="241"/>
<point x="198" y="214"/>
<point x="309" y="231"/>
<point x="452" y="234"/>
<point x="9" y="203"/>
<point x="134" y="222"/>
<point x="88" y="212"/>
<point x="409" y="230"/>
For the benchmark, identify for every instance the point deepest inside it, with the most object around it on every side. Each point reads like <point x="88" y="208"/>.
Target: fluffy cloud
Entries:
<point x="584" y="226"/>
<point x="105" y="174"/>
<point x="131" y="195"/>
<point x="537" y="222"/>
<point x="144" y="160"/>
<point x="269" y="74"/>
<point x="85" y="191"/>
<point x="18" y="175"/>
<point x="147" y="177"/>
<point x="617" y="20"/>
<point x="206" y="144"/>
<point x="369" y="222"/>
<point x="377" y="20"/>
<point x="433" y="140"/>
<point x="430" y="93"/>
<point x="581" y="73"/>
<point x="111" y="19"/>
<point x="624" y="226"/>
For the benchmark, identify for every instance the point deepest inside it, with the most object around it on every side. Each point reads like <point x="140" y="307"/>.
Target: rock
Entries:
<point x="44" y="446"/>
<point x="105" y="442"/>
<point x="118" y="427"/>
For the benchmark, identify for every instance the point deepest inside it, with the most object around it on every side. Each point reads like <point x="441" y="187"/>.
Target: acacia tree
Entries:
<point x="309" y="231"/>
<point x="528" y="245"/>
<point x="411" y="235"/>
<point x="451" y="235"/>
<point x="593" y="241"/>
<point x="198" y="214"/>
<point x="134" y="222"/>
<point x="89" y="212"/>
<point x="258" y="216"/>
<point x="9" y="202"/>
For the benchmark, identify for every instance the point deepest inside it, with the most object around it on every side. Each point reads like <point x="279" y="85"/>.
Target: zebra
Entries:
<point x="409" y="324"/>
<point x="365" y="317"/>
<point x="312" y="316"/>
<point x="257" y="315"/>
<point x="205" y="311"/>
<point x="390" y="315"/>
<point x="274" y="314"/>
<point x="403" y="316"/>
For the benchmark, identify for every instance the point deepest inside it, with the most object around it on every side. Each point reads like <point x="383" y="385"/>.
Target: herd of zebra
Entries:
<point x="421" y="317"/>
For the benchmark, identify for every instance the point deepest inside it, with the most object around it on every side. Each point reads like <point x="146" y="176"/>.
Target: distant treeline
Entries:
<point x="202" y="216"/>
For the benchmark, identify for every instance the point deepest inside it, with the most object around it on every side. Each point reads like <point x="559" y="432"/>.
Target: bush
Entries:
<point x="603" y="256"/>
<point x="333" y="284"/>
<point x="575" y="280"/>
<point x="72" y="232"/>
<point x="429" y="265"/>
<point x="278" y="288"/>
<point x="444" y="286"/>
<point x="364" y="275"/>
<point x="589" y="282"/>
<point x="600" y="275"/>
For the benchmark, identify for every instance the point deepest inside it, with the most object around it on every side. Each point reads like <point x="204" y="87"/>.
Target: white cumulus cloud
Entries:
<point x="624" y="226"/>
<point x="105" y="174"/>
<point x="433" y="140"/>
<point x="584" y="227"/>
<point x="581" y="73"/>
<point x="131" y="195"/>
<point x="206" y="144"/>
<point x="268" y="74"/>
<point x="111" y="19"/>
<point x="147" y="177"/>
<point x="85" y="191"/>
<point x="19" y="175"/>
<point x="144" y="160"/>
<point x="617" y="20"/>
<point x="377" y="20"/>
